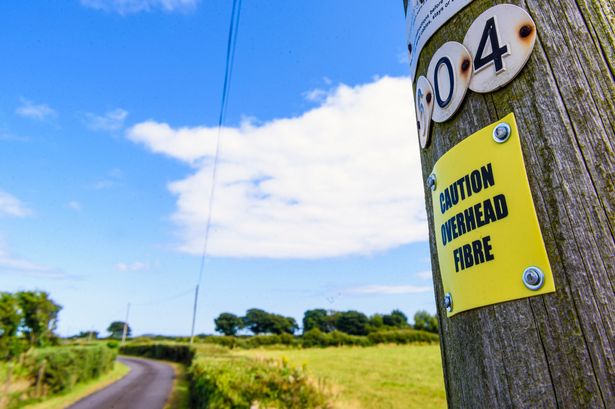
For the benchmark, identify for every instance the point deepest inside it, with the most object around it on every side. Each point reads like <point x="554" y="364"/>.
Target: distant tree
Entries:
<point x="425" y="321"/>
<point x="228" y="324"/>
<point x="116" y="329"/>
<point x="263" y="322"/>
<point x="40" y="317"/>
<point x="10" y="319"/>
<point x="351" y="322"/>
<point x="375" y="323"/>
<point x="87" y="334"/>
<point x="319" y="319"/>
<point x="282" y="325"/>
<point x="257" y="321"/>
<point x="395" y="319"/>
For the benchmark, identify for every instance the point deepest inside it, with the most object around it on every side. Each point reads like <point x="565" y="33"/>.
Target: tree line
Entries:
<point x="351" y="322"/>
<point x="27" y="319"/>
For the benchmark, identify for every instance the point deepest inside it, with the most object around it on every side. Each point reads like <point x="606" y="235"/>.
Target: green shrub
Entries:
<point x="402" y="336"/>
<point x="242" y="383"/>
<point x="317" y="338"/>
<point x="113" y="344"/>
<point x="169" y="352"/>
<point x="66" y="366"/>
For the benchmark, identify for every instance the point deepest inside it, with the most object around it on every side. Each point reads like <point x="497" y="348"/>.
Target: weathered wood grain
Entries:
<point x="555" y="350"/>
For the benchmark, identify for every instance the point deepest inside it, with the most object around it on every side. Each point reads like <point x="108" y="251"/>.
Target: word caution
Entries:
<point x="472" y="217"/>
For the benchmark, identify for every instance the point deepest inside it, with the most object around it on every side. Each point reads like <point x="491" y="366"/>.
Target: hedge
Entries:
<point x="63" y="367"/>
<point x="244" y="383"/>
<point x="253" y="341"/>
<point x="169" y="352"/>
<point x="403" y="336"/>
<point x="317" y="338"/>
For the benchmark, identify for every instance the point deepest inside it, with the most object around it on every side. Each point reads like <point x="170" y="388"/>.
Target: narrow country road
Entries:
<point x="147" y="386"/>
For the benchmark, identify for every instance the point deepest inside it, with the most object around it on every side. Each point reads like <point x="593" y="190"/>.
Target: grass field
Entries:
<point x="380" y="377"/>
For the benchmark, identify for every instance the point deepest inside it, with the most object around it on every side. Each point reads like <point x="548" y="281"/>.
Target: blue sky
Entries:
<point x="107" y="127"/>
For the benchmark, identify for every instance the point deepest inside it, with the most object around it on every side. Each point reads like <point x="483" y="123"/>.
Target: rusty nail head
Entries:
<point x="533" y="278"/>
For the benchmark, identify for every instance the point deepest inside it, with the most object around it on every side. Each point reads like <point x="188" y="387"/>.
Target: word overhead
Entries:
<point x="487" y="231"/>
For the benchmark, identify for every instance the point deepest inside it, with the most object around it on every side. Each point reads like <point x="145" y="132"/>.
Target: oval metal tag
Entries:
<point x="424" y="109"/>
<point x="449" y="72"/>
<point x="501" y="40"/>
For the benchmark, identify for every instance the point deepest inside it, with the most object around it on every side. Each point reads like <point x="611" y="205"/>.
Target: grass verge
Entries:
<point x="179" y="398"/>
<point x="80" y="391"/>
<point x="379" y="377"/>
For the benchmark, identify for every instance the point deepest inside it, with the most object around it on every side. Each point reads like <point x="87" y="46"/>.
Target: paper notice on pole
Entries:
<point x="423" y="19"/>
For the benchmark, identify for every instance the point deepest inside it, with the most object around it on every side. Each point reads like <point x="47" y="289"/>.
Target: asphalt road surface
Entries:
<point x="147" y="386"/>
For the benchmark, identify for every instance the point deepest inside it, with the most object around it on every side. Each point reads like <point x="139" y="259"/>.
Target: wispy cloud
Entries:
<point x="316" y="95"/>
<point x="110" y="121"/>
<point x="388" y="289"/>
<point x="343" y="178"/>
<point x="74" y="205"/>
<point x="11" y="264"/>
<point x="124" y="7"/>
<point x="9" y="137"/>
<point x="112" y="179"/>
<point x="12" y="206"/>
<point x="135" y="266"/>
<point x="423" y="275"/>
<point x="39" y="112"/>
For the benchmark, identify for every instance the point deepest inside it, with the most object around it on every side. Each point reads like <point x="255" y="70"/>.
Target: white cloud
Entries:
<point x="136" y="266"/>
<point x="389" y="289"/>
<point x="40" y="112"/>
<point x="74" y="205"/>
<point x="12" y="206"/>
<point x="10" y="264"/>
<point x="343" y="178"/>
<point x="110" y="121"/>
<point x="124" y="7"/>
<point x="424" y="275"/>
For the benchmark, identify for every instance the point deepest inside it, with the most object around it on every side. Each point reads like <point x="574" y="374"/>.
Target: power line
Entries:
<point x="231" y="45"/>
<point x="164" y="299"/>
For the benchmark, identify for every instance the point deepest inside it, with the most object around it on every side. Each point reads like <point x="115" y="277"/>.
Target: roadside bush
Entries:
<point x="169" y="352"/>
<point x="63" y="367"/>
<point x="243" y="383"/>
<point x="402" y="336"/>
<point x="113" y="344"/>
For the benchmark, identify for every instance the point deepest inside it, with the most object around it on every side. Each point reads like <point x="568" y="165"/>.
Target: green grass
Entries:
<point x="82" y="390"/>
<point x="179" y="398"/>
<point x="379" y="377"/>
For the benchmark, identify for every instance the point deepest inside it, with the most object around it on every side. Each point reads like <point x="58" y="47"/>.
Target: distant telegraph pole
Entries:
<point x="125" y="331"/>
<point x="194" y="307"/>
<point x="516" y="117"/>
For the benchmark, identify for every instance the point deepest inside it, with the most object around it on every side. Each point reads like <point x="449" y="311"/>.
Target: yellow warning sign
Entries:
<point x="490" y="247"/>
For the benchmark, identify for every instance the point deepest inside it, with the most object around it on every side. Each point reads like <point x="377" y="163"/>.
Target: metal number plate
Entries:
<point x="424" y="109"/>
<point x="500" y="40"/>
<point x="449" y="72"/>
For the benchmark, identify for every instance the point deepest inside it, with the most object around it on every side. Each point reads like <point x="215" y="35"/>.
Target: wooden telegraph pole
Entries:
<point x="555" y="349"/>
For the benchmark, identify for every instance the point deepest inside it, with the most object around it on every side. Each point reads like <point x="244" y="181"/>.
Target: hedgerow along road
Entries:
<point x="147" y="386"/>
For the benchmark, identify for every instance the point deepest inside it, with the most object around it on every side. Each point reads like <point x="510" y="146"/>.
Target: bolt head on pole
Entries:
<point x="448" y="302"/>
<point x="501" y="133"/>
<point x="431" y="182"/>
<point x="533" y="278"/>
